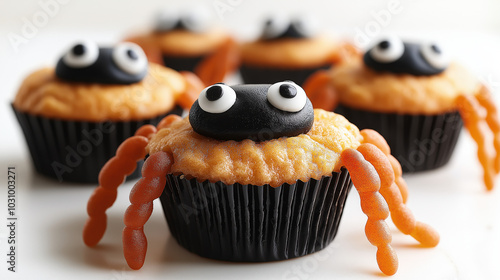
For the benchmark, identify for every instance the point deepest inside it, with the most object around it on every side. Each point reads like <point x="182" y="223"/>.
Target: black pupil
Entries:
<point x="436" y="49"/>
<point x="79" y="49"/>
<point x="132" y="55"/>
<point x="214" y="93"/>
<point x="288" y="91"/>
<point x="384" y="45"/>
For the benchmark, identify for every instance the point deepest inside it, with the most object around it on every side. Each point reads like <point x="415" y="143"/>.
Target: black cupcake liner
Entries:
<point x="419" y="142"/>
<point x="182" y="63"/>
<point x="248" y="223"/>
<point x="75" y="151"/>
<point x="269" y="75"/>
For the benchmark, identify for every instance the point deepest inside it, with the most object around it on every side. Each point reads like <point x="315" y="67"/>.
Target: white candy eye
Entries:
<point x="81" y="55"/>
<point x="197" y="20"/>
<point x="435" y="56"/>
<point x="274" y="27"/>
<point x="287" y="96"/>
<point x="130" y="58"/>
<point x="388" y="50"/>
<point x="217" y="98"/>
<point x="166" y="20"/>
<point x="306" y="26"/>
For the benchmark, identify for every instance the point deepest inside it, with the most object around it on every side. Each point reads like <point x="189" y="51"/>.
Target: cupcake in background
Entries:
<point x="75" y="115"/>
<point x="412" y="95"/>
<point x="290" y="49"/>
<point x="190" y="41"/>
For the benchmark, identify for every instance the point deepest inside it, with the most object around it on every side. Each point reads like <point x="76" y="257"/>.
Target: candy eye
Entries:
<point x="388" y="50"/>
<point x="81" y="55"/>
<point x="197" y="20"/>
<point x="274" y="27"/>
<point x="435" y="56"/>
<point x="287" y="96"/>
<point x="130" y="58"/>
<point x="217" y="98"/>
<point x="306" y="26"/>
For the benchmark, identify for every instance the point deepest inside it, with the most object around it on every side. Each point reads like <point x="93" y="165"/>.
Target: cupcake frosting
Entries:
<point x="44" y="93"/>
<point x="284" y="160"/>
<point x="289" y="52"/>
<point x="361" y="87"/>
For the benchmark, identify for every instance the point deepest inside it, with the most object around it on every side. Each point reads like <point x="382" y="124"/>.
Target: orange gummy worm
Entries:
<point x="193" y="88"/>
<point x="470" y="111"/>
<point x="147" y="189"/>
<point x="320" y="91"/>
<point x="486" y="101"/>
<point x="367" y="182"/>
<point x="214" y="68"/>
<point x="111" y="177"/>
<point x="401" y="215"/>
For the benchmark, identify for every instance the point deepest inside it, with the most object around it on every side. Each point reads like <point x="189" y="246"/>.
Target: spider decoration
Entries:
<point x="186" y="42"/>
<point x="391" y="55"/>
<point x="284" y="107"/>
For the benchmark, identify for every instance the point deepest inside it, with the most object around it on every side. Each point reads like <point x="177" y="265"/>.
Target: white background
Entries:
<point x="453" y="199"/>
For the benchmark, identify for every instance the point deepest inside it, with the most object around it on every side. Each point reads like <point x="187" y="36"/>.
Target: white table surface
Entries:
<point x="51" y="215"/>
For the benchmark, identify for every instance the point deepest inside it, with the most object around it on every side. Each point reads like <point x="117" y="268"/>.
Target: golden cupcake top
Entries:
<point x="293" y="43"/>
<point x="96" y="84"/>
<point x="282" y="140"/>
<point x="400" y="77"/>
<point x="185" y="34"/>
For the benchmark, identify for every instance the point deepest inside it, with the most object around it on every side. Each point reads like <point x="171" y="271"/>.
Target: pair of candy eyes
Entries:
<point x="392" y="49"/>
<point x="129" y="57"/>
<point x="275" y="27"/>
<point x="285" y="96"/>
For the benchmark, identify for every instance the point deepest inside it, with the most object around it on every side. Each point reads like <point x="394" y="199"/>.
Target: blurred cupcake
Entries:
<point x="190" y="42"/>
<point x="413" y="96"/>
<point x="290" y="50"/>
<point x="254" y="174"/>
<point x="75" y="116"/>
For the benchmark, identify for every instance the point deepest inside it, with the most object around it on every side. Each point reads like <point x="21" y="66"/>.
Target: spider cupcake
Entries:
<point x="269" y="176"/>
<point x="189" y="42"/>
<point x="74" y="115"/>
<point x="413" y="96"/>
<point x="290" y="50"/>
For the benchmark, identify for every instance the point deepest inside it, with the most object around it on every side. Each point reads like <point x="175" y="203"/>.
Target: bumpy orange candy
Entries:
<point x="366" y="180"/>
<point x="470" y="111"/>
<point x="320" y="91"/>
<point x="147" y="189"/>
<point x="401" y="215"/>
<point x="111" y="176"/>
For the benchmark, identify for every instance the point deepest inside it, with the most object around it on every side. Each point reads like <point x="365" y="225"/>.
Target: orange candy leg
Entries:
<point x="224" y="60"/>
<point x="401" y="215"/>
<point x="111" y="177"/>
<point x="147" y="189"/>
<point x="485" y="100"/>
<point x="470" y="110"/>
<point x="320" y="91"/>
<point x="193" y="88"/>
<point x="367" y="182"/>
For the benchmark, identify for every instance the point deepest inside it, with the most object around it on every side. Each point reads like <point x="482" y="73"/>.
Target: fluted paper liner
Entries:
<point x="75" y="151"/>
<point x="419" y="142"/>
<point x="248" y="223"/>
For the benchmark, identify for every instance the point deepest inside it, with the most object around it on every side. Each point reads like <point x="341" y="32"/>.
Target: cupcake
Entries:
<point x="190" y="42"/>
<point x="290" y="50"/>
<point x="415" y="98"/>
<point x="75" y="115"/>
<point x="254" y="174"/>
